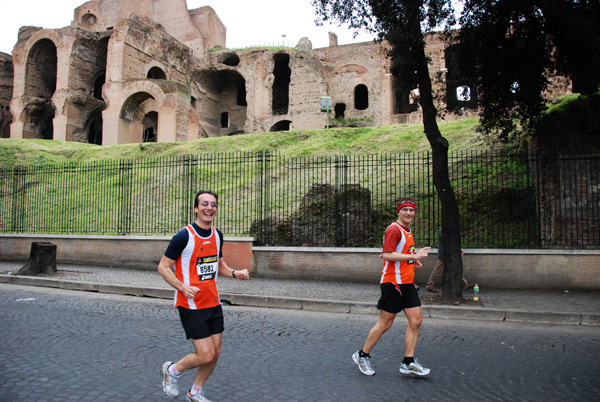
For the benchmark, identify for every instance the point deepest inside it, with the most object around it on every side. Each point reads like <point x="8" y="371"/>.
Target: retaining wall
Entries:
<point x="490" y="268"/>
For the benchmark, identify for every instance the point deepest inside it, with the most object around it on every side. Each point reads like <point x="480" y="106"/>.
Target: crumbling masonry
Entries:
<point x="129" y="71"/>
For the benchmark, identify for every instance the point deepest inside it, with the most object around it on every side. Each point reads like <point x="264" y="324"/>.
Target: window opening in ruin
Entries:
<point x="150" y="124"/>
<point x="88" y="20"/>
<point x="156" y="73"/>
<point x="224" y="120"/>
<point x="230" y="59"/>
<point x="281" y="84"/>
<point x="361" y="97"/>
<point x="193" y="102"/>
<point x="283" y="125"/>
<point x="340" y="110"/>
<point x="463" y="93"/>
<point x="98" y="84"/>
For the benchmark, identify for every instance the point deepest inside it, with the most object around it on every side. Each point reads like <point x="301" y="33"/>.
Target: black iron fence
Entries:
<point x="506" y="201"/>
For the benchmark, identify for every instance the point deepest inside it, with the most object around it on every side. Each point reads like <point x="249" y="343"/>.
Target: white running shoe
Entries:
<point x="169" y="381"/>
<point x="364" y="364"/>
<point x="414" y="368"/>
<point x="196" y="398"/>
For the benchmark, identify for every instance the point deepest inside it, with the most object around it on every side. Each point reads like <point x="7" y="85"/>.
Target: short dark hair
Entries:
<point x="406" y="199"/>
<point x="199" y="193"/>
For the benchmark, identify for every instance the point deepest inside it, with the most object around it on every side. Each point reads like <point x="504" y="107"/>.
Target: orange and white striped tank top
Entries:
<point x="398" y="239"/>
<point x="198" y="265"/>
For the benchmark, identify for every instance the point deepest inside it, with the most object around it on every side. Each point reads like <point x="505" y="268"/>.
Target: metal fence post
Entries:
<point x="125" y="197"/>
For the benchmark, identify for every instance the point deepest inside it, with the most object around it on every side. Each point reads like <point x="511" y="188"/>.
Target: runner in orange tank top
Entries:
<point x="398" y="291"/>
<point x="192" y="264"/>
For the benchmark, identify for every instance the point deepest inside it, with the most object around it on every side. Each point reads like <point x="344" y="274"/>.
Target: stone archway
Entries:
<point x="41" y="70"/>
<point x="282" y="125"/>
<point x="131" y="124"/>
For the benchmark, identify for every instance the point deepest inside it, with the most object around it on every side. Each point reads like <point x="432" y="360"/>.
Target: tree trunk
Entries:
<point x="452" y="277"/>
<point x="42" y="260"/>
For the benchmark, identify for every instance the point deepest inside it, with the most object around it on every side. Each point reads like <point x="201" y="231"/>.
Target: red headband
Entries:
<point x="406" y="204"/>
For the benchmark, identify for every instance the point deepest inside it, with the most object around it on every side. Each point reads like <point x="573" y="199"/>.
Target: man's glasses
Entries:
<point x="212" y="204"/>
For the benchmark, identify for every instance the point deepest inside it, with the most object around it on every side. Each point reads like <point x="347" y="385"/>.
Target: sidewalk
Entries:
<point x="538" y="306"/>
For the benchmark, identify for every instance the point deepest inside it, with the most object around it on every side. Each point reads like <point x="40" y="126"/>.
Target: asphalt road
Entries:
<point x="60" y="345"/>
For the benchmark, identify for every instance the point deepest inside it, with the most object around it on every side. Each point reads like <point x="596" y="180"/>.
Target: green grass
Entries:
<point x="399" y="138"/>
<point x="150" y="200"/>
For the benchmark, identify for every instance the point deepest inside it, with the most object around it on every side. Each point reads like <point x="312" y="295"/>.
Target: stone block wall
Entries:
<point x="490" y="268"/>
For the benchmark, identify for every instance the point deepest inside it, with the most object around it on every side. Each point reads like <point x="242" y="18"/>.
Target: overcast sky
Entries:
<point x="248" y="23"/>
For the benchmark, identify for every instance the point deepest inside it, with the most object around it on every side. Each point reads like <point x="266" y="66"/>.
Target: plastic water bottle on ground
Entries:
<point x="476" y="290"/>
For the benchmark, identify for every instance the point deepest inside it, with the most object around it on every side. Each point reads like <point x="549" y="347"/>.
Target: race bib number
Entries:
<point x="411" y="250"/>
<point x="207" y="268"/>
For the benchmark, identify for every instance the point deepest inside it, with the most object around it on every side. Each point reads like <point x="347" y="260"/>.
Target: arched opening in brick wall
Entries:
<point x="150" y="124"/>
<point x="89" y="21"/>
<point x="132" y="118"/>
<point x="281" y="84"/>
<point x="40" y="73"/>
<point x="156" y="73"/>
<point x="37" y="120"/>
<point x="282" y="125"/>
<point x="40" y="85"/>
<point x="340" y="110"/>
<point x="229" y="59"/>
<point x="361" y="97"/>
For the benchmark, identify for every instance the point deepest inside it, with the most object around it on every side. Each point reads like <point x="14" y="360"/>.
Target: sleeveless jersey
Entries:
<point x="198" y="265"/>
<point x="400" y="240"/>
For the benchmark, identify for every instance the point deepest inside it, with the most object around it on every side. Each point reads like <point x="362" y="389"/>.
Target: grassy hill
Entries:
<point x="398" y="138"/>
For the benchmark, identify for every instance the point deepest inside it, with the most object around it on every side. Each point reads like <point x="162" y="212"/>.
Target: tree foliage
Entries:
<point x="512" y="47"/>
<point x="403" y="24"/>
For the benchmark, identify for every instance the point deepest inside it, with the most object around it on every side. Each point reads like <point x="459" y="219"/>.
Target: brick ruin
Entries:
<point x="128" y="71"/>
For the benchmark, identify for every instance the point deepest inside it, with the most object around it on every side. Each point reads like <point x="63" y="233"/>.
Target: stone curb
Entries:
<point x="331" y="306"/>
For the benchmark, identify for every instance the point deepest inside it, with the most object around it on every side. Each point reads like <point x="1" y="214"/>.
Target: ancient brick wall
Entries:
<point x="6" y="89"/>
<point x="110" y="69"/>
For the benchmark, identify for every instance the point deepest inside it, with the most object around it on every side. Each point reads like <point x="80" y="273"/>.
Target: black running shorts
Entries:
<point x="200" y="324"/>
<point x="394" y="298"/>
